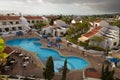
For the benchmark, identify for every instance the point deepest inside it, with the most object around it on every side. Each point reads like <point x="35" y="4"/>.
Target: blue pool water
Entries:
<point x="31" y="44"/>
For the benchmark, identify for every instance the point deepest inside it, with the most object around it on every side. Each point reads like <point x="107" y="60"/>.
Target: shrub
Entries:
<point x="96" y="48"/>
<point x="85" y="44"/>
<point x="13" y="76"/>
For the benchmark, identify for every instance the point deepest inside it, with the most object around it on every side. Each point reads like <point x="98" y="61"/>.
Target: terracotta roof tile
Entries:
<point x="18" y="17"/>
<point x="93" y="74"/>
<point x="32" y="17"/>
<point x="51" y="17"/>
<point x="7" y="50"/>
<point x="98" y="21"/>
<point x="9" y="17"/>
<point x="93" y="32"/>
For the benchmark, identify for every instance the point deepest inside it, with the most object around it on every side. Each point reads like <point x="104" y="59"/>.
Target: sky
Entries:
<point x="66" y="7"/>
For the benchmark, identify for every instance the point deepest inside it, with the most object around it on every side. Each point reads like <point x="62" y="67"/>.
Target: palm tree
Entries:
<point x="48" y="71"/>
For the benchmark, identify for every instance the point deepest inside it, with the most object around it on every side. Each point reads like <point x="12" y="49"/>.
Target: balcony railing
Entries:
<point x="6" y="26"/>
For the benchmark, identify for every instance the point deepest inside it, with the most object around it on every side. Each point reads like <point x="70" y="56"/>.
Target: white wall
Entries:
<point x="47" y="29"/>
<point x="88" y="78"/>
<point x="0" y="22"/>
<point x="102" y="23"/>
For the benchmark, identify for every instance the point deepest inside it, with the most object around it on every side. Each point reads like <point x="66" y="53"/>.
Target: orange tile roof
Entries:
<point x="18" y="17"/>
<point x="9" y="17"/>
<point x="7" y="50"/>
<point x="93" y="32"/>
<point x="51" y="17"/>
<point x="93" y="74"/>
<point x="32" y="17"/>
<point x="98" y="21"/>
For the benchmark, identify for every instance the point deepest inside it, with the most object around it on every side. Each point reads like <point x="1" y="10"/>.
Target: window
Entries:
<point x="61" y="33"/>
<point x="3" y="23"/>
<point x="6" y="29"/>
<point x="20" y="28"/>
<point x="28" y="21"/>
<point x="37" y="21"/>
<point x="96" y="25"/>
<point x="17" y="22"/>
<point x="31" y="26"/>
<point x="13" y="28"/>
<point x="11" y="22"/>
<point x="0" y="30"/>
<point x="115" y="43"/>
<point x="33" y="21"/>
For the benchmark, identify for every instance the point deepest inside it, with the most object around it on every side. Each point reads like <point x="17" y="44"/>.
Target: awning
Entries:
<point x="82" y="39"/>
<point x="113" y="60"/>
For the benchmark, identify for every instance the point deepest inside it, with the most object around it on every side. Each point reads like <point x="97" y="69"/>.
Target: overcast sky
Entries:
<point x="78" y="7"/>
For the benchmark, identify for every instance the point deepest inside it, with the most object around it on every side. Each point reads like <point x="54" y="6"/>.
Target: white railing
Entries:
<point x="8" y="26"/>
<point x="11" y="52"/>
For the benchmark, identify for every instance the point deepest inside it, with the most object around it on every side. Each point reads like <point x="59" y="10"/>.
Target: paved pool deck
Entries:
<point x="34" y="69"/>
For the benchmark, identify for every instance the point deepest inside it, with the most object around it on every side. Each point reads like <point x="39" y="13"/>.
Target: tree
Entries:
<point x="76" y="30"/>
<point x="48" y="71"/>
<point x="51" y="21"/>
<point x="64" y="70"/>
<point x="40" y="24"/>
<point x="117" y="23"/>
<point x="97" y="39"/>
<point x="3" y="56"/>
<point x="107" y="73"/>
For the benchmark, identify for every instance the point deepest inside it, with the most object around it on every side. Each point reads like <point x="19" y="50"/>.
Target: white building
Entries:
<point x="59" y="31"/>
<point x="102" y="28"/>
<point x="59" y="28"/>
<point x="47" y="30"/>
<point x="9" y="25"/>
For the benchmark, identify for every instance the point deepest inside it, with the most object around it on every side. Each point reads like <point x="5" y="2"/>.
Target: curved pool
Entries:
<point x="32" y="45"/>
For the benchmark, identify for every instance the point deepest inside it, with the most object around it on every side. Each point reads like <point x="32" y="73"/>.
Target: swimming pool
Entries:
<point x="31" y="44"/>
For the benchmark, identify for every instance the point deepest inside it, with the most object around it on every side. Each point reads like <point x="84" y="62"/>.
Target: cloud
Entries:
<point x="72" y="1"/>
<point x="99" y="5"/>
<point x="61" y="6"/>
<point x="111" y="6"/>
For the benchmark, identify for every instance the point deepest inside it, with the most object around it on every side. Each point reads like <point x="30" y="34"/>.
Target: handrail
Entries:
<point x="11" y="52"/>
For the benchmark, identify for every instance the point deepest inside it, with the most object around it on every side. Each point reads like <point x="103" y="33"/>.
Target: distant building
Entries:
<point x="74" y="21"/>
<point x="59" y="28"/>
<point x="60" y="23"/>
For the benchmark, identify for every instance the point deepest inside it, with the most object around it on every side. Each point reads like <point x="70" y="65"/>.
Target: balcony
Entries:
<point x="7" y="26"/>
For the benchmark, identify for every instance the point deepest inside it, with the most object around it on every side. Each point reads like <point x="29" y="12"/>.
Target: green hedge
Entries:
<point x="96" y="48"/>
